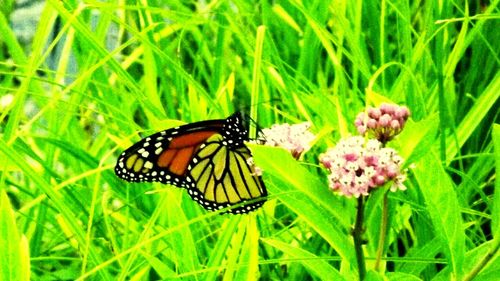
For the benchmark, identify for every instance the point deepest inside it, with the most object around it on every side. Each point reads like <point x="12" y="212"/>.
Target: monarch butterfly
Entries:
<point x="208" y="158"/>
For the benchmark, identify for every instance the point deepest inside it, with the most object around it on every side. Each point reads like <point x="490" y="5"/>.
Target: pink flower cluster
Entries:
<point x="294" y="138"/>
<point x="384" y="122"/>
<point x="357" y="167"/>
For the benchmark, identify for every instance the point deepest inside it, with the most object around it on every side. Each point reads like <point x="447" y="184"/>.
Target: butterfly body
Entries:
<point x="208" y="158"/>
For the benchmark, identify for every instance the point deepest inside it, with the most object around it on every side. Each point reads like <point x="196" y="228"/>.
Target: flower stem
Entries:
<point x="383" y="231"/>
<point x="358" y="240"/>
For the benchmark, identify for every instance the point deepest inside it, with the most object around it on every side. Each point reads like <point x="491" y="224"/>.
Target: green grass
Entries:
<point x="99" y="75"/>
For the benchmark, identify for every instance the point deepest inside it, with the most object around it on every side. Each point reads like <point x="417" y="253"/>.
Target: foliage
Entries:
<point x="98" y="75"/>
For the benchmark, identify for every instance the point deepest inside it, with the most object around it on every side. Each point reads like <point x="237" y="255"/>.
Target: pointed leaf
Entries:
<point x="14" y="260"/>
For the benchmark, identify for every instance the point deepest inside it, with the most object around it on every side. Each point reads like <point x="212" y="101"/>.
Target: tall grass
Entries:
<point x="99" y="75"/>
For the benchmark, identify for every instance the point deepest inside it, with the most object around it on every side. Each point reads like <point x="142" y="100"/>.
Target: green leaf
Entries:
<point x="319" y="267"/>
<point x="14" y="260"/>
<point x="249" y="255"/>
<point x="233" y="253"/>
<point x="482" y="263"/>
<point x="442" y="205"/>
<point x="427" y="251"/>
<point x="417" y="138"/>
<point x="222" y="246"/>
<point x="398" y="276"/>
<point x="159" y="266"/>
<point x="474" y="117"/>
<point x="372" y="275"/>
<point x="308" y="197"/>
<point x="495" y="217"/>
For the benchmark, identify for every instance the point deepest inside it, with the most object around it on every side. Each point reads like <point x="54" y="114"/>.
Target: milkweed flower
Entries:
<point x="295" y="138"/>
<point x="356" y="167"/>
<point x="384" y="122"/>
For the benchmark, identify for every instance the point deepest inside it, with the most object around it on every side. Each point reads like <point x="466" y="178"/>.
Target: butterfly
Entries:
<point x="208" y="158"/>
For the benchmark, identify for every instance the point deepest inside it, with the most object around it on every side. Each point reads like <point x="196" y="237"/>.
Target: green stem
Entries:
<point x="484" y="261"/>
<point x="358" y="240"/>
<point x="383" y="231"/>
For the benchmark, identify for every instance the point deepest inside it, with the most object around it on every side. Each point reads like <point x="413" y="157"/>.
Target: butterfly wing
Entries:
<point x="165" y="156"/>
<point x="221" y="176"/>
